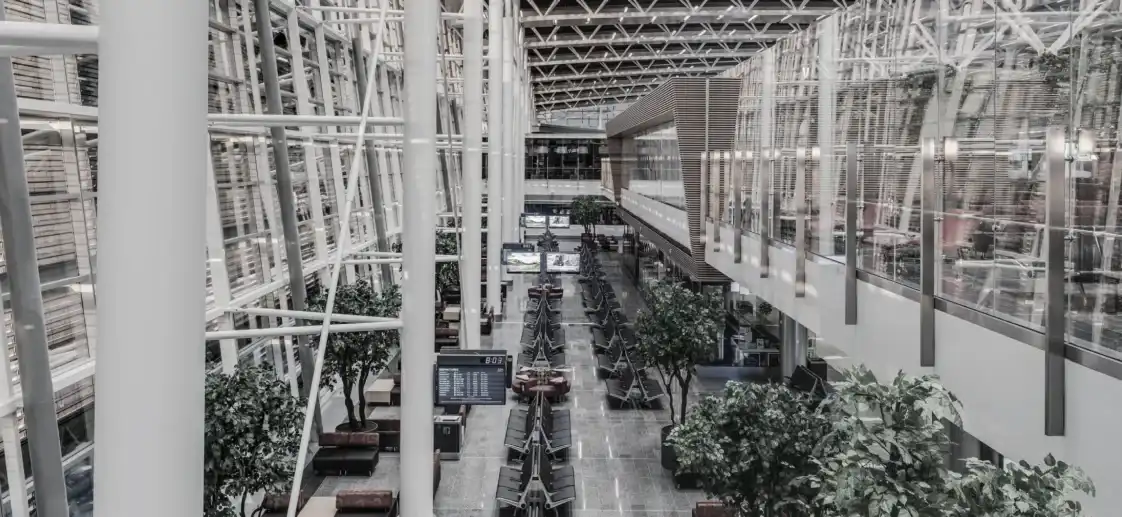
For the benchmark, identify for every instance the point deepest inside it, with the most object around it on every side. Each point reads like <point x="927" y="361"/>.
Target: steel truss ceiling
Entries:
<point x="592" y="52"/>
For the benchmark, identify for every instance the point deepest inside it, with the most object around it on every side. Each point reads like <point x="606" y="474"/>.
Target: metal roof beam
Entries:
<point x="596" y="86"/>
<point x="639" y="92"/>
<point x="632" y="72"/>
<point x="694" y="38"/>
<point x="669" y="16"/>
<point x="647" y="56"/>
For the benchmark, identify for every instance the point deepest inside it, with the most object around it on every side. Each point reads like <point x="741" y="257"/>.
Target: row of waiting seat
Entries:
<point x="538" y="435"/>
<point x="543" y="338"/>
<point x="536" y="484"/>
<point x="614" y="341"/>
<point x="551" y="428"/>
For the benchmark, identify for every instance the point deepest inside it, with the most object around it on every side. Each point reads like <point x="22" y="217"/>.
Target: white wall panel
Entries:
<point x="999" y="380"/>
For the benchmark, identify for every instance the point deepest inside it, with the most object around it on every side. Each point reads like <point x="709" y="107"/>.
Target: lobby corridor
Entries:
<point x="615" y="453"/>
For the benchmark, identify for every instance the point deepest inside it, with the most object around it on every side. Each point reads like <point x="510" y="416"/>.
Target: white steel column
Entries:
<point x="311" y="162"/>
<point x="333" y="156"/>
<point x="473" y="168"/>
<point x="418" y="254"/>
<point x="511" y="218"/>
<point x="519" y="128"/>
<point x="150" y="368"/>
<point x="28" y="323"/>
<point x="216" y="258"/>
<point x="13" y="452"/>
<point x="494" y="155"/>
<point x="825" y="182"/>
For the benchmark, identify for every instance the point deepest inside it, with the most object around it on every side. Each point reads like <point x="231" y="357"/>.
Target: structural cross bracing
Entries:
<point x="583" y="53"/>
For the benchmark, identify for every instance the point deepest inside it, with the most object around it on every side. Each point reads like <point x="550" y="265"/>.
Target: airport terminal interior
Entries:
<point x="587" y="258"/>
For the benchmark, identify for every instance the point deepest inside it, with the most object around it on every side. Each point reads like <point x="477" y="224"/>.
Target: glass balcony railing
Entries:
<point x="986" y="97"/>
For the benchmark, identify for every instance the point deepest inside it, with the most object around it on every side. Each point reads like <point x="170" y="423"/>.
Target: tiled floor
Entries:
<point x="615" y="452"/>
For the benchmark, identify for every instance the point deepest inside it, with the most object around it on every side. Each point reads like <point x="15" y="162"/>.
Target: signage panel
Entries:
<point x="479" y="379"/>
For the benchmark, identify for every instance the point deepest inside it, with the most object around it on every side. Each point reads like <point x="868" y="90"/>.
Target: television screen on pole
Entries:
<point x="524" y="262"/>
<point x="562" y="262"/>
<point x="515" y="247"/>
<point x="534" y="221"/>
<point x="558" y="221"/>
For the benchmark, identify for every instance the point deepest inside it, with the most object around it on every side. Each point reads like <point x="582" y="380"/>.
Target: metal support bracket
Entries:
<point x="739" y="163"/>
<point x="928" y="255"/>
<point x="800" y="222"/>
<point x="1055" y="326"/>
<point x="852" y="171"/>
<point x="765" y="213"/>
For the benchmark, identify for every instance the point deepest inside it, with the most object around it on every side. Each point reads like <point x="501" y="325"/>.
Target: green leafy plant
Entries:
<point x="1019" y="489"/>
<point x="763" y="310"/>
<point x="586" y="212"/>
<point x="679" y="329"/>
<point x="1055" y="67"/>
<point x="447" y="273"/>
<point x="749" y="447"/>
<point x="252" y="429"/>
<point x="352" y="356"/>
<point x="893" y="443"/>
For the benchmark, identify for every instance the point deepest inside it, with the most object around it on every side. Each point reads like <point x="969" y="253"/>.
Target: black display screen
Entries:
<point x="478" y="379"/>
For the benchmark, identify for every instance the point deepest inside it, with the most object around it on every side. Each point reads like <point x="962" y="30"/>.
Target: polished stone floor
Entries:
<point x="615" y="452"/>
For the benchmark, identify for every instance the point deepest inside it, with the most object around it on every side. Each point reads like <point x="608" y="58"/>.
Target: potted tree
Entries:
<point x="447" y="273"/>
<point x="1019" y="489"/>
<point x="678" y="330"/>
<point x="352" y="356"/>
<point x="586" y="212"/>
<point x="252" y="429"/>
<point x="891" y="459"/>
<point x="785" y="431"/>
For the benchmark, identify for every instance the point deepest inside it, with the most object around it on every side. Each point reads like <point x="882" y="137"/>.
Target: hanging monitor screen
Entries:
<point x="558" y="221"/>
<point x="523" y="262"/>
<point x="515" y="247"/>
<point x="562" y="262"/>
<point x="476" y="377"/>
<point x="534" y="221"/>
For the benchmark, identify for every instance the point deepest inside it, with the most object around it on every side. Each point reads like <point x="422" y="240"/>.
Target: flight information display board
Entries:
<point x="562" y="262"/>
<point x="478" y="379"/>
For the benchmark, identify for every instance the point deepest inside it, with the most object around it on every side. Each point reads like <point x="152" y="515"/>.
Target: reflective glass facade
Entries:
<point x="564" y="158"/>
<point x="658" y="170"/>
<point x="984" y="113"/>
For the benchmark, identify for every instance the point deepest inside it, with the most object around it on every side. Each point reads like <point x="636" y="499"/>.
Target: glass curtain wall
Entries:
<point x="564" y="158"/>
<point x="60" y="140"/>
<point x="658" y="169"/>
<point x="587" y="117"/>
<point x="983" y="83"/>
<point x="60" y="156"/>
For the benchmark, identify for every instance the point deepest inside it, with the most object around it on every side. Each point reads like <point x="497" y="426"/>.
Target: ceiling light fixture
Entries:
<point x="687" y="18"/>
